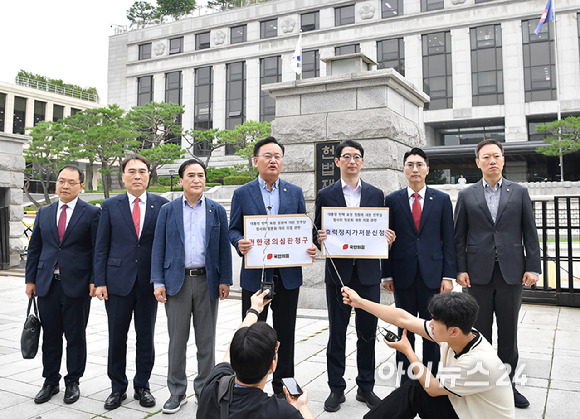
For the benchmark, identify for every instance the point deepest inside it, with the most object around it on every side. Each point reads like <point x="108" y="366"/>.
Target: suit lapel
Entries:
<point x="209" y="217"/>
<point x="404" y="203"/>
<point x="151" y="208"/>
<point x="284" y="197"/>
<point x="504" y="198"/>
<point x="338" y="194"/>
<point x="427" y="206"/>
<point x="480" y="198"/>
<point x="178" y="211"/>
<point x="125" y="210"/>
<point x="51" y="213"/>
<point x="256" y="195"/>
<point x="75" y="217"/>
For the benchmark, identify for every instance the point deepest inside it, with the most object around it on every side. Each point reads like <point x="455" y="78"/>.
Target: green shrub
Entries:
<point x="238" y="179"/>
<point x="96" y="201"/>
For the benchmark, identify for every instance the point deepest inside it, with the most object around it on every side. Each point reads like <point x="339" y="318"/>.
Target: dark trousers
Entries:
<point x="366" y="329"/>
<point x="284" y="305"/>
<point x="409" y="400"/>
<point x="60" y="315"/>
<point x="415" y="300"/>
<point x="505" y="301"/>
<point x="119" y="313"/>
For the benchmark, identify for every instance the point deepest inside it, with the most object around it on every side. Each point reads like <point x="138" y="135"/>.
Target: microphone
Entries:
<point x="269" y="207"/>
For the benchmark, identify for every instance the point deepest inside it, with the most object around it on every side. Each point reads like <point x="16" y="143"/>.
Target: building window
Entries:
<point x="428" y="5"/>
<point x="539" y="62"/>
<point x="57" y="113"/>
<point x="176" y="45"/>
<point x="145" y="51"/>
<point x="270" y="72"/>
<point x="347" y="49"/>
<point x="144" y="90"/>
<point x="238" y="34"/>
<point x="309" y="21"/>
<point x="74" y="111"/>
<point x="310" y="64"/>
<point x="391" y="8"/>
<point x="534" y="122"/>
<point x="469" y="135"/>
<point x="235" y="98"/>
<point x="269" y="29"/>
<point x="39" y="111"/>
<point x="391" y="54"/>
<point x="2" y="111"/>
<point x="202" y="40"/>
<point x="19" y="116"/>
<point x="437" y="79"/>
<point x="486" y="65"/>
<point x="203" y="101"/>
<point x="344" y="15"/>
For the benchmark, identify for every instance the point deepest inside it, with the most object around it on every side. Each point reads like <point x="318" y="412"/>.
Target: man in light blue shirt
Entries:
<point x="191" y="268"/>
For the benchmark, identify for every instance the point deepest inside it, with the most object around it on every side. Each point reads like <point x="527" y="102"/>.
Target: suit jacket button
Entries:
<point x="418" y="239"/>
<point x="138" y="245"/>
<point x="59" y="248"/>
<point x="136" y="260"/>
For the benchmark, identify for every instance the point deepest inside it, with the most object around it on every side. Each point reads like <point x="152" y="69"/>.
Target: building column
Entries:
<point x="253" y="89"/>
<point x="9" y="113"/>
<point x="49" y="111"/>
<point x="219" y="96"/>
<point x="187" y="97"/>
<point x="413" y="59"/>
<point x="159" y="87"/>
<point x="513" y="76"/>
<point x="568" y="61"/>
<point x="461" y="72"/>
<point x="29" y="116"/>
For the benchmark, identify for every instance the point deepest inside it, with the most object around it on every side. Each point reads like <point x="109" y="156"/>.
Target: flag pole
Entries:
<point x="557" y="75"/>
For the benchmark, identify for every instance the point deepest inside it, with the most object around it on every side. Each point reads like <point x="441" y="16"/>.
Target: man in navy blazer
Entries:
<point x="59" y="270"/>
<point x="363" y="275"/>
<point x="270" y="195"/>
<point x="191" y="269"/>
<point x="122" y="278"/>
<point x="494" y="225"/>
<point x="422" y="260"/>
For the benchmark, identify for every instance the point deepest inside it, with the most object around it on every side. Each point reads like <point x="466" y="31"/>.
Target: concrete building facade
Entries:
<point x="486" y="72"/>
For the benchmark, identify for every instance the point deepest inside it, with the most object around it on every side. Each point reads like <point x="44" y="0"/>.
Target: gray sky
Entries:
<point x="62" y="39"/>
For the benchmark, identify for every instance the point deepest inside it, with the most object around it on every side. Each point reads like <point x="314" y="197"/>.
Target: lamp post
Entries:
<point x="171" y="174"/>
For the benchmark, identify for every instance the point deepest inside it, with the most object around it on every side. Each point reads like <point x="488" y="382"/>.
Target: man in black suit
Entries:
<point x="494" y="224"/>
<point x="422" y="260"/>
<point x="59" y="270"/>
<point x="122" y="278"/>
<point x="363" y="275"/>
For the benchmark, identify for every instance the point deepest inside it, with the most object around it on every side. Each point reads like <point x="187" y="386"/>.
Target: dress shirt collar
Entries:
<point x="201" y="202"/>
<point x="421" y="192"/>
<point x="488" y="187"/>
<point x="142" y="198"/>
<point x="343" y="184"/>
<point x="264" y="185"/>
<point x="70" y="204"/>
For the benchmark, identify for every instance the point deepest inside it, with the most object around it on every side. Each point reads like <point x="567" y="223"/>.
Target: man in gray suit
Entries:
<point x="494" y="224"/>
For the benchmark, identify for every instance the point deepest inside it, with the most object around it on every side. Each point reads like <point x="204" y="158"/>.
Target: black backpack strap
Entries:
<point x="225" y="395"/>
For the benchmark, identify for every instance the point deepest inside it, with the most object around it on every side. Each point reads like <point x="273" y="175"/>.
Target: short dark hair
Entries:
<point x="348" y="143"/>
<point x="485" y="142"/>
<point x="135" y="157"/>
<point x="73" y="167"/>
<point x="268" y="140"/>
<point x="454" y="309"/>
<point x="416" y="151"/>
<point x="252" y="351"/>
<point x="190" y="162"/>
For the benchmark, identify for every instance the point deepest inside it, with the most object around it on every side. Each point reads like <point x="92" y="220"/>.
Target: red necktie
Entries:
<point x="416" y="211"/>
<point x="136" y="216"/>
<point x="62" y="222"/>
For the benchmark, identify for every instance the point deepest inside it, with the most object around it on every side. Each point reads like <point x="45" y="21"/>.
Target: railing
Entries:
<point x="59" y="90"/>
<point x="558" y="223"/>
<point x="4" y="237"/>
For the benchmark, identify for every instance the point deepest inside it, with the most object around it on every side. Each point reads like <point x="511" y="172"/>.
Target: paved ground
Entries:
<point x="549" y="350"/>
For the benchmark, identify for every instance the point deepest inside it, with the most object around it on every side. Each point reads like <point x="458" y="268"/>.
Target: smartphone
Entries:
<point x="292" y="386"/>
<point x="268" y="286"/>
<point x="388" y="335"/>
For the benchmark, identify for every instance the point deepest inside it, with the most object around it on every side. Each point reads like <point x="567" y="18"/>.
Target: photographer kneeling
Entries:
<point x="234" y="389"/>
<point x="472" y="381"/>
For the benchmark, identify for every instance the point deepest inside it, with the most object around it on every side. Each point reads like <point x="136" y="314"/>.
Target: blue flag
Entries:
<point x="547" y="16"/>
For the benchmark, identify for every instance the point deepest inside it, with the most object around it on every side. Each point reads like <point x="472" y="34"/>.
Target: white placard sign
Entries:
<point x="279" y="240"/>
<point x="355" y="232"/>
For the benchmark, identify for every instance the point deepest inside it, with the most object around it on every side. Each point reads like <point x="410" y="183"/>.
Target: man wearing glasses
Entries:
<point x="422" y="261"/>
<point x="363" y="275"/>
<point x="122" y="278"/>
<point x="59" y="269"/>
<point x="270" y="195"/>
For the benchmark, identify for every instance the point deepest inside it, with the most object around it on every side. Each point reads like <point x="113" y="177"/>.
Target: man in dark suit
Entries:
<point x="363" y="275"/>
<point x="494" y="224"/>
<point x="122" y="278"/>
<point x="59" y="270"/>
<point x="191" y="269"/>
<point x="270" y="195"/>
<point x="422" y="260"/>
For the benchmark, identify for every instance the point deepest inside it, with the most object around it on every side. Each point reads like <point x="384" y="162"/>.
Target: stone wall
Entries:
<point x="380" y="109"/>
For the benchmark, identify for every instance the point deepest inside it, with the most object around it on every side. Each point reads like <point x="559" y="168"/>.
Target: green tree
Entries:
<point x="48" y="150"/>
<point x="141" y="13"/>
<point x="210" y="140"/>
<point x="224" y="4"/>
<point x="161" y="155"/>
<point x="101" y="135"/>
<point x="67" y="88"/>
<point x="175" y="8"/>
<point x="245" y="136"/>
<point x="156" y="124"/>
<point x="563" y="137"/>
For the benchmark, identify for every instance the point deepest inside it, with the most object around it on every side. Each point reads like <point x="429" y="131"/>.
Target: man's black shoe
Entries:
<point x="144" y="396"/>
<point x="45" y="393"/>
<point x="72" y="393"/>
<point x="114" y="400"/>
<point x="369" y="397"/>
<point x="332" y="403"/>
<point x="520" y="400"/>
<point x="174" y="403"/>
